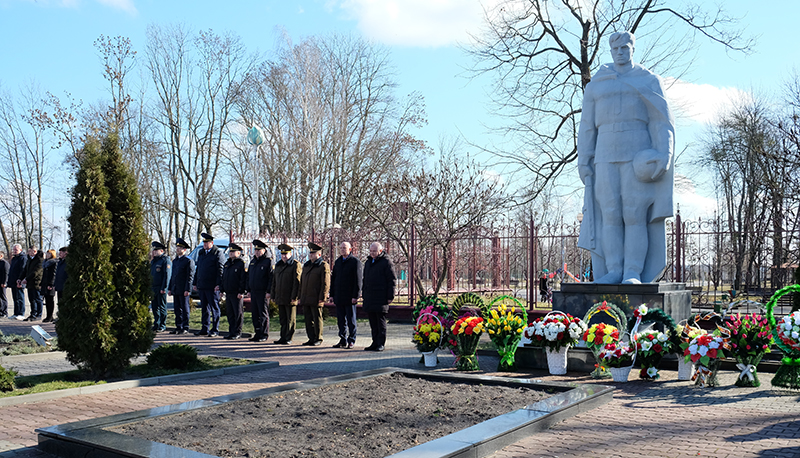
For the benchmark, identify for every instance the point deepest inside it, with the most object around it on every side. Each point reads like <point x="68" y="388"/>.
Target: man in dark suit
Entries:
<point x="31" y="279"/>
<point x="61" y="273"/>
<point x="160" y="273"/>
<point x="377" y="293"/>
<point x="259" y="283"/>
<point x="18" y="261"/>
<point x="180" y="286"/>
<point x="234" y="285"/>
<point x="345" y="291"/>
<point x="207" y="278"/>
<point x="4" y="268"/>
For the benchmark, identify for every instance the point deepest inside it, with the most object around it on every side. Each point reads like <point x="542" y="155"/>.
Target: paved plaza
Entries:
<point x="666" y="418"/>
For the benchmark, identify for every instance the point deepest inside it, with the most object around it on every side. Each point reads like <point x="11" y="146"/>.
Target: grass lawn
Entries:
<point x="16" y="344"/>
<point x="74" y="379"/>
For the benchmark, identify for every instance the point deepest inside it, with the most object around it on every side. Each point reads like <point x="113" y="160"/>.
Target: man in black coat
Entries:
<point x="180" y="286"/>
<point x="61" y="273"/>
<point x="17" y="262"/>
<point x="31" y="279"/>
<point x="4" y="268"/>
<point x="160" y="268"/>
<point x="234" y="285"/>
<point x="345" y="291"/>
<point x="259" y="283"/>
<point x="377" y="293"/>
<point x="207" y="278"/>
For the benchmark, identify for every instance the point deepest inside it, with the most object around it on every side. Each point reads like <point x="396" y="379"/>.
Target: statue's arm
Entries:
<point x="587" y="135"/>
<point x="662" y="128"/>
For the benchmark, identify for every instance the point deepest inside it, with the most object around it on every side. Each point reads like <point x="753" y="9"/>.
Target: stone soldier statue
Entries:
<point x="626" y="142"/>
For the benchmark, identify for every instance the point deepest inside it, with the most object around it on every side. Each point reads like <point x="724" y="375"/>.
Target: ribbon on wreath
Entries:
<point x="748" y="370"/>
<point x="702" y="373"/>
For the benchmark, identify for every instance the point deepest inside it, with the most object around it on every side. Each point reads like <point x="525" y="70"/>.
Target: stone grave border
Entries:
<point x="91" y="437"/>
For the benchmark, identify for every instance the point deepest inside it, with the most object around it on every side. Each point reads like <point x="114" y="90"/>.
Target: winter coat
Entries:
<point x="208" y="272"/>
<point x="346" y="280"/>
<point x="5" y="267"/>
<point x="182" y="275"/>
<point x="49" y="277"/>
<point x="377" y="290"/>
<point x="315" y="282"/>
<point x="33" y="271"/>
<point x="17" y="269"/>
<point x="285" y="282"/>
<point x="160" y="268"/>
<point x="61" y="274"/>
<point x="234" y="277"/>
<point x="259" y="274"/>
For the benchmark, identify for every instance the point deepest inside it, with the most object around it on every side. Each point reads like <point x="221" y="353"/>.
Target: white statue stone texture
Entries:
<point x="626" y="142"/>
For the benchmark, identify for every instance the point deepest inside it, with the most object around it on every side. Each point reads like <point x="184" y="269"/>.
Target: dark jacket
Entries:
<point x="346" y="280"/>
<point x="259" y="274"/>
<point x="17" y="269"/>
<point x="33" y="271"/>
<point x="5" y="267"/>
<point x="160" y="268"/>
<point x="285" y="282"/>
<point x="208" y="271"/>
<point x="182" y="275"/>
<point x="61" y="274"/>
<point x="315" y="282"/>
<point x="234" y="277"/>
<point x="49" y="277"/>
<point x="378" y="287"/>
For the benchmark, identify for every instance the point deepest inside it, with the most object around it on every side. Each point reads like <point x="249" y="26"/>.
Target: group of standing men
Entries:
<point x="41" y="274"/>
<point x="289" y="285"/>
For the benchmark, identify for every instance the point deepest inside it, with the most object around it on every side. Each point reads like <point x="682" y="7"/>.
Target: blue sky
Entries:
<point x="50" y="42"/>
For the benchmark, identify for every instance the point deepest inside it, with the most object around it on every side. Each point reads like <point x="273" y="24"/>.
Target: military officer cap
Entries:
<point x="285" y="248"/>
<point x="207" y="237"/>
<point x="313" y="247"/>
<point x="180" y="243"/>
<point x="158" y="245"/>
<point x="258" y="244"/>
<point x="234" y="247"/>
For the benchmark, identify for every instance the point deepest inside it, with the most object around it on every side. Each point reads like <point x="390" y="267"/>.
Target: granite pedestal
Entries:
<point x="577" y="298"/>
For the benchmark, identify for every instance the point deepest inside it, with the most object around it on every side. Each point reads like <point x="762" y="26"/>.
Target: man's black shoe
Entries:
<point x="317" y="343"/>
<point x="201" y="333"/>
<point x="213" y="334"/>
<point x="233" y="337"/>
<point x="370" y="348"/>
<point x="185" y="331"/>
<point x="379" y="348"/>
<point x="279" y="342"/>
<point x="255" y="338"/>
<point x="175" y="332"/>
<point x="309" y="343"/>
<point x="341" y="344"/>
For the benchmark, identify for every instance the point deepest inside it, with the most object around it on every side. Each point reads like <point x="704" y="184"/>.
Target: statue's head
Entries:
<point x="622" y="45"/>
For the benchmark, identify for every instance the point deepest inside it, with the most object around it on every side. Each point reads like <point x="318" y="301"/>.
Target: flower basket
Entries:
<point x="598" y="335"/>
<point x="787" y="338"/>
<point x="750" y="340"/>
<point x="431" y="358"/>
<point x="467" y="332"/>
<point x="505" y="328"/>
<point x="685" y="369"/>
<point x="703" y="349"/>
<point x="428" y="332"/>
<point x="651" y="347"/>
<point x="557" y="360"/>
<point x="620" y="374"/>
<point x="618" y="358"/>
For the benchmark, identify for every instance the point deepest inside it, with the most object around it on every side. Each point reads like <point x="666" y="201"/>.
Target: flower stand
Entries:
<point x="431" y="358"/>
<point x="557" y="360"/>
<point x="620" y="374"/>
<point x="467" y="346"/>
<point x="685" y="370"/>
<point x="748" y="377"/>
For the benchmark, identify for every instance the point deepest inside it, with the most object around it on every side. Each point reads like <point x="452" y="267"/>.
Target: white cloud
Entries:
<point x="425" y="23"/>
<point x="124" y="5"/>
<point x="700" y="102"/>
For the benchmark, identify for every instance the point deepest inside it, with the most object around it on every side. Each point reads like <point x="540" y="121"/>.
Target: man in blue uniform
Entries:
<point x="207" y="278"/>
<point x="160" y="273"/>
<point x="259" y="283"/>
<point x="180" y="286"/>
<point x="18" y="261"/>
<point x="234" y="285"/>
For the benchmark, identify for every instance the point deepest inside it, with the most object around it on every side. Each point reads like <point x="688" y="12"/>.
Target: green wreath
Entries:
<point x="516" y="303"/>
<point x="469" y="299"/>
<point x="660" y="317"/>
<point x="788" y="374"/>
<point x="609" y="309"/>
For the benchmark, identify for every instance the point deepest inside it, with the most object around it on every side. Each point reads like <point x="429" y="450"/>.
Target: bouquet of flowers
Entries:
<point x="467" y="332"/>
<point x="505" y="329"/>
<point x="428" y="331"/>
<point x="789" y="330"/>
<point x="617" y="355"/>
<point x="651" y="346"/>
<point x="556" y="330"/>
<point x="705" y="350"/>
<point x="599" y="335"/>
<point x="750" y="340"/>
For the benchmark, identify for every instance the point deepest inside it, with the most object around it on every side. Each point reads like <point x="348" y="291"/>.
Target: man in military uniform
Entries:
<point x="180" y="286"/>
<point x="259" y="283"/>
<point x="345" y="291"/>
<point x="285" y="289"/>
<point x="315" y="282"/>
<point x="160" y="273"/>
<point x="207" y="277"/>
<point x="31" y="278"/>
<point x="234" y="286"/>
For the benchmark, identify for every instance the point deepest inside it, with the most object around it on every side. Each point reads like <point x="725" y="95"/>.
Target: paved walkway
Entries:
<point x="668" y="418"/>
